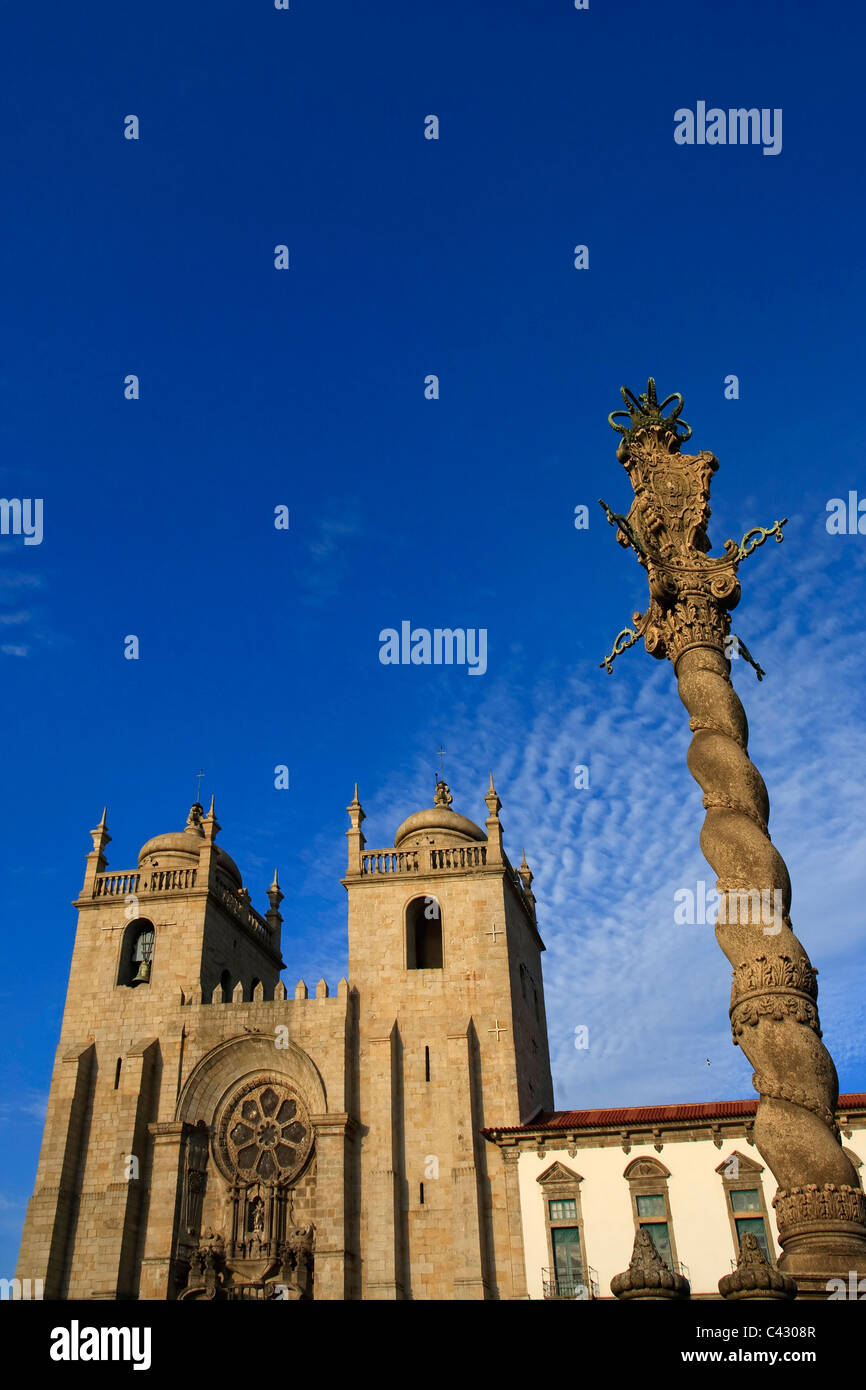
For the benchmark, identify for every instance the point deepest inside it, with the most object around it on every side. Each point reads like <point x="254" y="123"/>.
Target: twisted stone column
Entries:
<point x="774" y="1010"/>
<point x="820" y="1210"/>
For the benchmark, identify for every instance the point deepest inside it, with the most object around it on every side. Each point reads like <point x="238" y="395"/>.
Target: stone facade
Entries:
<point x="208" y="1137"/>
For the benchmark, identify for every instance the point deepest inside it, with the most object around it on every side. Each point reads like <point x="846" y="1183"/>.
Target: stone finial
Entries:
<point x="647" y="1275"/>
<point x="525" y="871"/>
<point x="526" y="876"/>
<point x="322" y="989"/>
<point x="273" y="916"/>
<point x="209" y="824"/>
<point x="100" y="835"/>
<point x="755" y="1277"/>
<point x="442" y="796"/>
<point x="301" y="991"/>
<point x="195" y="817"/>
<point x="494" y="826"/>
<point x="275" y="897"/>
<point x="494" y="805"/>
<point x="209" y="855"/>
<point x="355" y="835"/>
<point x="96" y="862"/>
<point x="356" y="811"/>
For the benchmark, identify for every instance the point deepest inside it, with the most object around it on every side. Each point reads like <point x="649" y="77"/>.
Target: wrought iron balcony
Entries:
<point x="582" y="1285"/>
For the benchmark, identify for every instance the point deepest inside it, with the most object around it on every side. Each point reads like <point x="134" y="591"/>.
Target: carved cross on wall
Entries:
<point x="494" y="932"/>
<point x="498" y="1028"/>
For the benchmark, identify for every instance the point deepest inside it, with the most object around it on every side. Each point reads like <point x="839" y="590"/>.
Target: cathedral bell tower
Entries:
<point x="445" y="955"/>
<point x="152" y="944"/>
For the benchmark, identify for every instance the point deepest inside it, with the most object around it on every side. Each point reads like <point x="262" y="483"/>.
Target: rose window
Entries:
<point x="264" y="1133"/>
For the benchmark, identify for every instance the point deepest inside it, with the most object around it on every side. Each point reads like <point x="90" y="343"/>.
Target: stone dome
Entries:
<point x="437" y="823"/>
<point x="180" y="849"/>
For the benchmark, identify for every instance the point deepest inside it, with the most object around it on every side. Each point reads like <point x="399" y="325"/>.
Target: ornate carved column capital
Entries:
<point x="691" y="592"/>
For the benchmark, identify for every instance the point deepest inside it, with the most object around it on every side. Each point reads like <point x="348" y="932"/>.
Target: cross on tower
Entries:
<point x="494" y="932"/>
<point x="441" y="757"/>
<point x="498" y="1028"/>
<point x="199" y="776"/>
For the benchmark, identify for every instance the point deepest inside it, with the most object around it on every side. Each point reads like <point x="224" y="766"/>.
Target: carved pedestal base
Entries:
<point x="822" y="1232"/>
<point x="817" y="1252"/>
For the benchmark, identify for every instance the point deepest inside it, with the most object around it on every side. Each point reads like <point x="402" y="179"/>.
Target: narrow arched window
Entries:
<point x="651" y="1208"/>
<point x="746" y="1203"/>
<point x="136" y="954"/>
<point x="423" y="934"/>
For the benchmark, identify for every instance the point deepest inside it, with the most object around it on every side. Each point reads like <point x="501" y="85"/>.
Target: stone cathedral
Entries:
<point x="209" y="1137"/>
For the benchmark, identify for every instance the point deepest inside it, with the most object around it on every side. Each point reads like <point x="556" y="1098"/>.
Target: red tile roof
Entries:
<point x="631" y="1117"/>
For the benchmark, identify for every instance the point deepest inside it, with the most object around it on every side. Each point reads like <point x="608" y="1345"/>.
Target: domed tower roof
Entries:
<point x="438" y="824"/>
<point x="180" y="849"/>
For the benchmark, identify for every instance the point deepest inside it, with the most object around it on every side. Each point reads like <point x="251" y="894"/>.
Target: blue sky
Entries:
<point x="306" y="388"/>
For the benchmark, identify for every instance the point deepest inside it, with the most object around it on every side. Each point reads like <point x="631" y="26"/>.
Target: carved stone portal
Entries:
<point x="262" y="1141"/>
<point x="287" y="1276"/>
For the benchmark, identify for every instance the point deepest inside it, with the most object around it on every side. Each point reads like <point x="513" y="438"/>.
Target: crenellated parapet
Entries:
<point x="258" y="994"/>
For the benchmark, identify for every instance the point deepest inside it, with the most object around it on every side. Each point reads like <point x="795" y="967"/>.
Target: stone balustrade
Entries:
<point x="141" y="883"/>
<point x="424" y="860"/>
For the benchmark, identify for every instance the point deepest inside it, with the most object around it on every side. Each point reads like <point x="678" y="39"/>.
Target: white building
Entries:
<point x="588" y="1179"/>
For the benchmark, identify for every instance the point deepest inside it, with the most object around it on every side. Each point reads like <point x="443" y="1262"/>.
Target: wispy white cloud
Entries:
<point x="609" y="859"/>
<point x="33" y="1104"/>
<point x="11" y="649"/>
<point x="20" y="580"/>
<point x="323" y="570"/>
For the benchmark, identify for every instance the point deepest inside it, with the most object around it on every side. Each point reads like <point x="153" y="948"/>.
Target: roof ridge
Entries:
<point x="678" y="1110"/>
